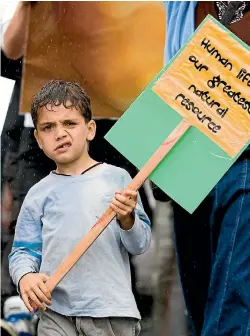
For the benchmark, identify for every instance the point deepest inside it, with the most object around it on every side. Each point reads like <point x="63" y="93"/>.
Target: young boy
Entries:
<point x="95" y="297"/>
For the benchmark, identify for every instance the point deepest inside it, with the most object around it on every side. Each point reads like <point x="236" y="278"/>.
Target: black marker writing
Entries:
<point x="203" y="118"/>
<point x="214" y="52"/>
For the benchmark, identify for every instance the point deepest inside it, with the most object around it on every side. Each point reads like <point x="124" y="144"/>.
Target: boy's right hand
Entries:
<point x="33" y="289"/>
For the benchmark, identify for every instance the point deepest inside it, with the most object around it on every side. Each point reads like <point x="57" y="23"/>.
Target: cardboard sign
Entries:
<point x="207" y="83"/>
<point x="106" y="46"/>
<point x="210" y="87"/>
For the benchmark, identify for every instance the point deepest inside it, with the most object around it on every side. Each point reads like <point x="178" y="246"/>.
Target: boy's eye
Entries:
<point x="70" y="123"/>
<point x="47" y="128"/>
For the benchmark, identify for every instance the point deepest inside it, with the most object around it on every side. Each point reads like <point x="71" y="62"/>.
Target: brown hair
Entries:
<point x="59" y="92"/>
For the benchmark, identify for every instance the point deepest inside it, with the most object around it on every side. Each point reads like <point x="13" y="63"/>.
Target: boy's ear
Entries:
<point x="91" y="130"/>
<point x="37" y="139"/>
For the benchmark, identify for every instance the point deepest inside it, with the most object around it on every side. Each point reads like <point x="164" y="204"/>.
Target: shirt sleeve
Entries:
<point x="26" y="251"/>
<point x="138" y="238"/>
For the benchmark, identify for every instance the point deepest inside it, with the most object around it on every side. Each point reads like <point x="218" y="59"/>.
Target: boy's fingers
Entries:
<point x="119" y="204"/>
<point x="125" y="201"/>
<point x="45" y="290"/>
<point x="41" y="296"/>
<point x="122" y="198"/>
<point x="118" y="210"/>
<point x="33" y="305"/>
<point x="128" y="194"/>
<point x="131" y="193"/>
<point x="27" y="303"/>
<point x="35" y="299"/>
<point x="119" y="192"/>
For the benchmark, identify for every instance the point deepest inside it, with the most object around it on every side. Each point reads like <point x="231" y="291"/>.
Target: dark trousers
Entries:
<point x="213" y="248"/>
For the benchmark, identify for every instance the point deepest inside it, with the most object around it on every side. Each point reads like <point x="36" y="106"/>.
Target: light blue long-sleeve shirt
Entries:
<point x="56" y="213"/>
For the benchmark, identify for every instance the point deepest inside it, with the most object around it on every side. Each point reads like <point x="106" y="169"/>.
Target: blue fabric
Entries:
<point x="56" y="213"/>
<point x="27" y="244"/>
<point x="213" y="244"/>
<point x="228" y="305"/>
<point x="214" y="256"/>
<point x="180" y="25"/>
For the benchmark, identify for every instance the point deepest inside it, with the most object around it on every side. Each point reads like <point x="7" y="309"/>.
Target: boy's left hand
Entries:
<point x="123" y="205"/>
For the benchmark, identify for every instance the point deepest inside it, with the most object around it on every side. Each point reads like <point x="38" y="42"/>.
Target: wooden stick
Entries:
<point x="109" y="214"/>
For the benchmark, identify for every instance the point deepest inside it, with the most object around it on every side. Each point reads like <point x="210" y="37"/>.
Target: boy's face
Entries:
<point x="62" y="133"/>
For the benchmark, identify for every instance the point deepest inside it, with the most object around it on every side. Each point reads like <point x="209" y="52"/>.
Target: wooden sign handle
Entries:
<point x="107" y="217"/>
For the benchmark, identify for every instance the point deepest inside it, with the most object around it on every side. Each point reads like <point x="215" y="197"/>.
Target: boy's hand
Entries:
<point x="123" y="205"/>
<point x="33" y="289"/>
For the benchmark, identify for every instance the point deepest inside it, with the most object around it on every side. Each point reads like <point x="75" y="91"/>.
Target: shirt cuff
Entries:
<point x="136" y="239"/>
<point x="134" y="215"/>
<point x="19" y="274"/>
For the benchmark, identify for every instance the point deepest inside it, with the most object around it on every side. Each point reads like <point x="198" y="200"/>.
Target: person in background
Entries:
<point x="10" y="139"/>
<point x="213" y="243"/>
<point x="22" y="162"/>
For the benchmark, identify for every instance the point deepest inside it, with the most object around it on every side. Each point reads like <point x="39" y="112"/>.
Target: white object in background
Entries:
<point x="28" y="120"/>
<point x="6" y="90"/>
<point x="14" y="305"/>
<point x="7" y="10"/>
<point x="17" y="317"/>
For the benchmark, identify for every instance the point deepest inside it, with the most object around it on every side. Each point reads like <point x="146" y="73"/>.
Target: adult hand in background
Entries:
<point x="15" y="36"/>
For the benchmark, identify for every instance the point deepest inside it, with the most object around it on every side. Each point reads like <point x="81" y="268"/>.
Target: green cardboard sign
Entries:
<point x="196" y="163"/>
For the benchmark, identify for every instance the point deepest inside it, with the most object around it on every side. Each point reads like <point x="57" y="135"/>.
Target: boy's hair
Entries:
<point x="57" y="92"/>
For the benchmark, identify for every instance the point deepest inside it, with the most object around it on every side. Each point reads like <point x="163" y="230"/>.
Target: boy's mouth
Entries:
<point x="63" y="146"/>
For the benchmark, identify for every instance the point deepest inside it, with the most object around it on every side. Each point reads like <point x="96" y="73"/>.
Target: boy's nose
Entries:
<point x="60" y="134"/>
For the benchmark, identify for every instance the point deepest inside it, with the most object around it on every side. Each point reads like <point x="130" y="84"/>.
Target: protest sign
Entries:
<point x="207" y="83"/>
<point x="207" y="88"/>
